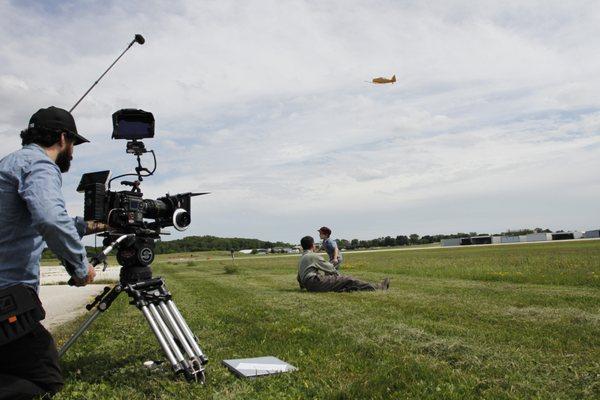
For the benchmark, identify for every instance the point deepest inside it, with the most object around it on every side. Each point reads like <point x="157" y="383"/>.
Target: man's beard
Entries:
<point x="63" y="159"/>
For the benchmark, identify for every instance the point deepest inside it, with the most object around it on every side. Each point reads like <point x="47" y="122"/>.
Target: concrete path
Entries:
<point x="64" y="303"/>
<point x="57" y="274"/>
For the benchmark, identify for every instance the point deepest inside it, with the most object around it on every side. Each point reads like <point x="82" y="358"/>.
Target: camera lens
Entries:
<point x="181" y="219"/>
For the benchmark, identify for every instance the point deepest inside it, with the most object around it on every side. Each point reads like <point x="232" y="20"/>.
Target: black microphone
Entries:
<point x="140" y="39"/>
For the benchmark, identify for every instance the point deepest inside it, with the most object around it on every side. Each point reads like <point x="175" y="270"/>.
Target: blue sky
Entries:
<point x="493" y="124"/>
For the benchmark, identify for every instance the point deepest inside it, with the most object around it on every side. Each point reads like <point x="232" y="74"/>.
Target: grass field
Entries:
<point x="493" y="322"/>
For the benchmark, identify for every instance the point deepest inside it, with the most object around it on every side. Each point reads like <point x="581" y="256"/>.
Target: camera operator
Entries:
<point x="33" y="212"/>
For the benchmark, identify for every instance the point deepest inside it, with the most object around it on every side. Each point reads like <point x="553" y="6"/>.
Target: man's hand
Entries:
<point x="88" y="279"/>
<point x="94" y="227"/>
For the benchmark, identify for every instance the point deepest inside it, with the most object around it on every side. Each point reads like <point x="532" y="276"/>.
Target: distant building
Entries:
<point x="510" y="239"/>
<point x="533" y="237"/>
<point x="538" y="237"/>
<point x="566" y="235"/>
<point x="451" y="242"/>
<point x="592" y="234"/>
<point x="486" y="239"/>
<point x="481" y="240"/>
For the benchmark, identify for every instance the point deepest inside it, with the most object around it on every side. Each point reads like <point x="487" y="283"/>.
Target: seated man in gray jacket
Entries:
<point x="317" y="275"/>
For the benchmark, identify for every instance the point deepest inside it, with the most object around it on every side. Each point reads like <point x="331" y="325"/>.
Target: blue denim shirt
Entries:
<point x="32" y="211"/>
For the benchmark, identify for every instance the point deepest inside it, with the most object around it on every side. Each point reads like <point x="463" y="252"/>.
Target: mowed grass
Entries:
<point x="491" y="322"/>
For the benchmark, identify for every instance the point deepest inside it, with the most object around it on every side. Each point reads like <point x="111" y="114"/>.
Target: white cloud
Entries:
<point x="265" y="104"/>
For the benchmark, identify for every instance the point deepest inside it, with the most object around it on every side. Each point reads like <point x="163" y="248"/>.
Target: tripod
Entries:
<point x="151" y="297"/>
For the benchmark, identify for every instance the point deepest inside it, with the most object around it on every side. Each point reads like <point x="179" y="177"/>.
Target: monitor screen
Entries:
<point x="133" y="130"/>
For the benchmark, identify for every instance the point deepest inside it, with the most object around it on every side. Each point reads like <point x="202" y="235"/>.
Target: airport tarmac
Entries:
<point x="64" y="303"/>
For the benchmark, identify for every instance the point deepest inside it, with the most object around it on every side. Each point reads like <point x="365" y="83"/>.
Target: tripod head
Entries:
<point x="135" y="255"/>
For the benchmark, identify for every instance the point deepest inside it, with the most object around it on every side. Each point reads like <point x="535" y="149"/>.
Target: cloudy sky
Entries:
<point x="494" y="122"/>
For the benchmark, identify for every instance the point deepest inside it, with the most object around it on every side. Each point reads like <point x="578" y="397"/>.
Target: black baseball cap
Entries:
<point x="56" y="118"/>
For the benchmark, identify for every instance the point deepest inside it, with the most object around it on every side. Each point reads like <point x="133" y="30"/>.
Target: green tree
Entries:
<point x="414" y="238"/>
<point x="401" y="240"/>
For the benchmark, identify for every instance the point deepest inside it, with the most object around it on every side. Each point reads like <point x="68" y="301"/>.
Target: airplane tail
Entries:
<point x="394" y="78"/>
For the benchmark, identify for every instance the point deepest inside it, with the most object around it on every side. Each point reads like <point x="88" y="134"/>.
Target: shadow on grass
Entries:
<point x="95" y="367"/>
<point x="126" y="372"/>
<point x="290" y="290"/>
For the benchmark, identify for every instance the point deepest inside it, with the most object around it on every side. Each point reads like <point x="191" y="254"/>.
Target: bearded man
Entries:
<point x="32" y="214"/>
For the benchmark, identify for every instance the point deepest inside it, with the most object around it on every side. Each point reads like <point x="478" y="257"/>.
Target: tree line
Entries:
<point x="207" y="243"/>
<point x="197" y="243"/>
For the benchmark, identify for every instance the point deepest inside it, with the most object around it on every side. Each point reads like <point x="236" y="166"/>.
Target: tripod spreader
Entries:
<point x="98" y="298"/>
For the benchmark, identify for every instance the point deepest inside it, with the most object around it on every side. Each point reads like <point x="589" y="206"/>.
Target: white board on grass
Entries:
<point x="258" y="366"/>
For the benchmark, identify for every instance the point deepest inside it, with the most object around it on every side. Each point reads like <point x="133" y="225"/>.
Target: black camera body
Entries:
<point x="126" y="211"/>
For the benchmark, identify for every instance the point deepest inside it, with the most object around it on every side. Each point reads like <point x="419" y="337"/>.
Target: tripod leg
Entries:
<point x="79" y="332"/>
<point x="103" y="301"/>
<point x="181" y="361"/>
<point x="177" y="332"/>
<point x="173" y="334"/>
<point x="191" y="338"/>
<point x="161" y="338"/>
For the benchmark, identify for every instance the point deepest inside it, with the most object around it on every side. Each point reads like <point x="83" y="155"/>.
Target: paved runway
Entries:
<point x="58" y="274"/>
<point x="64" y="303"/>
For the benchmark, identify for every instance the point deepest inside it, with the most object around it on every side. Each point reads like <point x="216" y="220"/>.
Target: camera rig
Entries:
<point x="134" y="224"/>
<point x="127" y="212"/>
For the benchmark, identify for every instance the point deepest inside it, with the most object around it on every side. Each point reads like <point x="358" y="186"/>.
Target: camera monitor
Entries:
<point x="92" y="178"/>
<point x="132" y="124"/>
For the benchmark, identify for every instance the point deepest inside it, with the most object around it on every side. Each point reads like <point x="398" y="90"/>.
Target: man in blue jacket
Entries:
<point x="32" y="214"/>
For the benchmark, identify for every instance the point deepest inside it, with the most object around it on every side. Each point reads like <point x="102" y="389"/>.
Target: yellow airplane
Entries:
<point x="384" y="80"/>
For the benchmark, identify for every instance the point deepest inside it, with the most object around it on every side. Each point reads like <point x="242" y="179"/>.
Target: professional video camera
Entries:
<point x="126" y="211"/>
<point x="134" y="224"/>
